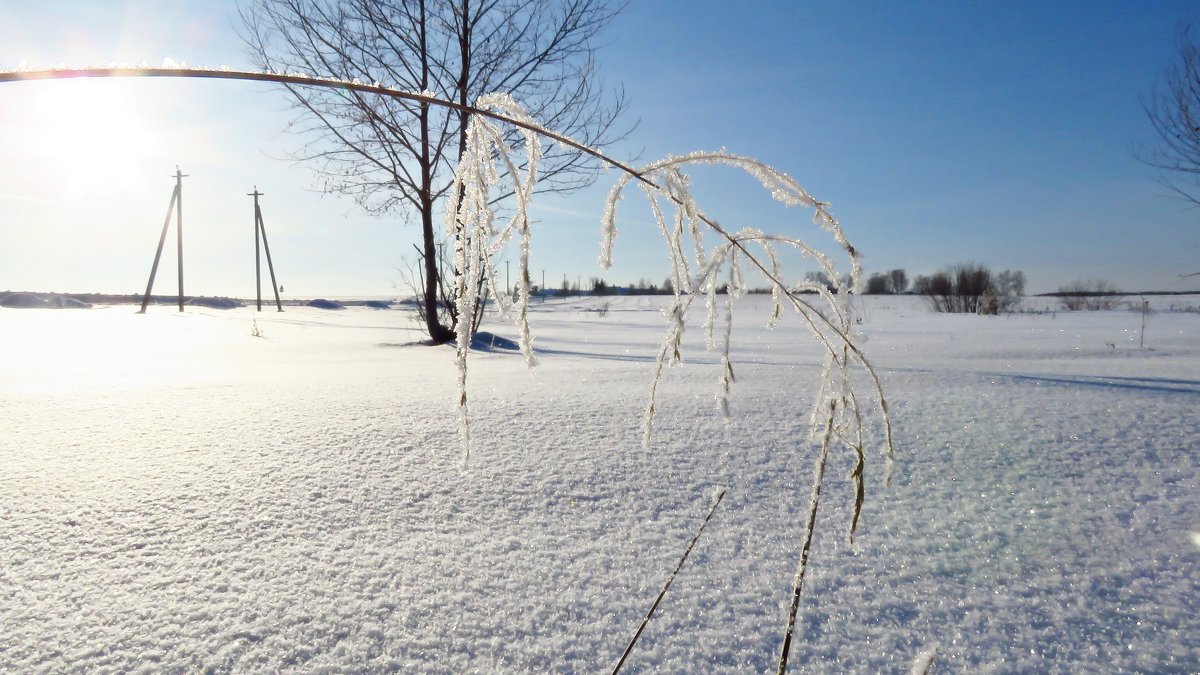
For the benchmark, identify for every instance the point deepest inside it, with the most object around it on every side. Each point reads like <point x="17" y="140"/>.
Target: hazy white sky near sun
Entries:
<point x="942" y="132"/>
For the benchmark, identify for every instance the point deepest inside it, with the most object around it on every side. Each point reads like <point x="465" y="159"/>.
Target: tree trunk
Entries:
<point x="438" y="333"/>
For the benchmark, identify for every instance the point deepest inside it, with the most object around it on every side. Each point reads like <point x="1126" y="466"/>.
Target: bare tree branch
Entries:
<point x="1174" y="112"/>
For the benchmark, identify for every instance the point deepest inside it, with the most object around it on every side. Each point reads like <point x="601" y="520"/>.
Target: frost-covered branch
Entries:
<point x="666" y="185"/>
<point x="470" y="220"/>
<point x="829" y="316"/>
<point x="488" y="167"/>
<point x="836" y="413"/>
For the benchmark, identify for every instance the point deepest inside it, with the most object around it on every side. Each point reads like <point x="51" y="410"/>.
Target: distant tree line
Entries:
<point x="642" y="286"/>
<point x="967" y="288"/>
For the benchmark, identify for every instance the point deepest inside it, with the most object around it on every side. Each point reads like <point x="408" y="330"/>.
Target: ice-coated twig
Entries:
<point x="671" y="579"/>
<point x="923" y="663"/>
<point x="836" y="412"/>
<point x="809" y="528"/>
<point x="828" y="315"/>
<point x="470" y="221"/>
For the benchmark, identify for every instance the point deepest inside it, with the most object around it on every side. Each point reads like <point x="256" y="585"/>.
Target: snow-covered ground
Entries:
<point x="177" y="494"/>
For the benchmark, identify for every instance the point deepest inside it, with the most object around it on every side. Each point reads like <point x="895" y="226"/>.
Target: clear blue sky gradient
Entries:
<point x="942" y="132"/>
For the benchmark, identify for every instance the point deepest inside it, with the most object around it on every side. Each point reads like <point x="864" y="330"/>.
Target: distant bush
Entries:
<point x="214" y="303"/>
<point x="877" y="284"/>
<point x="322" y="303"/>
<point x="1095" y="295"/>
<point x="822" y="279"/>
<point x="971" y="289"/>
<point x="959" y="289"/>
<point x="893" y="282"/>
<point x="1008" y="288"/>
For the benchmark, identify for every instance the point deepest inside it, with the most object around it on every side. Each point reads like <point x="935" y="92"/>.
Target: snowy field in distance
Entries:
<point x="176" y="494"/>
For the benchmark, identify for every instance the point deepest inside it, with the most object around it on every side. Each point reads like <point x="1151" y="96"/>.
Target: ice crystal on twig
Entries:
<point x="836" y="415"/>
<point x="470" y="221"/>
<point x="695" y="270"/>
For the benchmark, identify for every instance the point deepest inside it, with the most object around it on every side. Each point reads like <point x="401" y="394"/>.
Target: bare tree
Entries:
<point x="395" y="155"/>
<point x="894" y="281"/>
<point x="1174" y="111"/>
<point x="877" y="284"/>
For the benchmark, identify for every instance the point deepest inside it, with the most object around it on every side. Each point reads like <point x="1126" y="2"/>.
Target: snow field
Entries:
<point x="177" y="494"/>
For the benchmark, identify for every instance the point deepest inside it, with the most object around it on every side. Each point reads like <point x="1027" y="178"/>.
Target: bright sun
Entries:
<point x="91" y="136"/>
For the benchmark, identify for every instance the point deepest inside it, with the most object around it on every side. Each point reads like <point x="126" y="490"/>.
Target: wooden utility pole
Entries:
<point x="179" y="229"/>
<point x="260" y="231"/>
<point x="176" y="205"/>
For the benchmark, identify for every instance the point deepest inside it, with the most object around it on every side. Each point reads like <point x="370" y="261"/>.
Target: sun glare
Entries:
<point x="91" y="137"/>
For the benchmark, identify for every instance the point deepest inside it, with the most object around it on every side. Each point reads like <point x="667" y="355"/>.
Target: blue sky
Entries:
<point x="942" y="132"/>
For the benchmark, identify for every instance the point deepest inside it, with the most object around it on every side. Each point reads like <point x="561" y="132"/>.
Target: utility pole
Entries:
<point x="260" y="230"/>
<point x="179" y="229"/>
<point x="543" y="293"/>
<point x="257" y="262"/>
<point x="507" y="285"/>
<point x="176" y="205"/>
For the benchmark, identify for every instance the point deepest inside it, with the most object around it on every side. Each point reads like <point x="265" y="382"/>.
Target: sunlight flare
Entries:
<point x="89" y="137"/>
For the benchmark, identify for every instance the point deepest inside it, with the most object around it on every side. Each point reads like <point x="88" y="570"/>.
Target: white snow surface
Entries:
<point x="177" y="494"/>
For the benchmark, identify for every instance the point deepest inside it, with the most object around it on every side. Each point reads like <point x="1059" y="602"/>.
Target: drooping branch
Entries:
<point x="694" y="267"/>
<point x="771" y="179"/>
